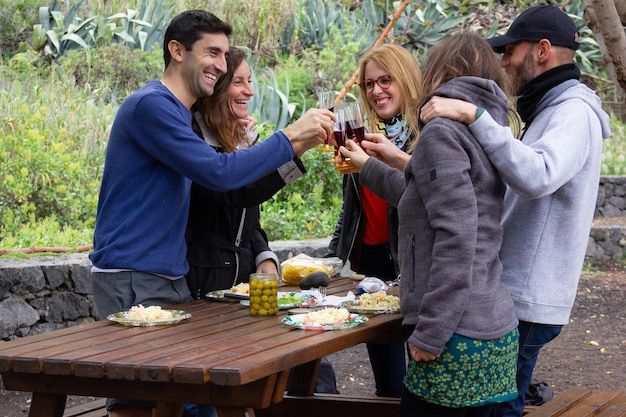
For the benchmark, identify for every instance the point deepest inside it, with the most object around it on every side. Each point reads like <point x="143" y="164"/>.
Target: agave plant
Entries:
<point x="145" y="28"/>
<point x="316" y="18"/>
<point x="425" y="24"/>
<point x="270" y="104"/>
<point x="58" y="33"/>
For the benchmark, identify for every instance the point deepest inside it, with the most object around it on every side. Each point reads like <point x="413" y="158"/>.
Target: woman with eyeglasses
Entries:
<point x="366" y="233"/>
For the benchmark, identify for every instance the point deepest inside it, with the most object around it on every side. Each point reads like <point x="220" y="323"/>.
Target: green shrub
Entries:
<point x="47" y="232"/>
<point x="334" y="64"/>
<point x="309" y="207"/>
<point x="614" y="149"/>
<point x="115" y="66"/>
<point x="51" y="153"/>
<point x="257" y="24"/>
<point x="16" y="23"/>
<point x="300" y="81"/>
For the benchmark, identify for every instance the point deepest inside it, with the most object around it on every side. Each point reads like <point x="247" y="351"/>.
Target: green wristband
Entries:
<point x="479" y="112"/>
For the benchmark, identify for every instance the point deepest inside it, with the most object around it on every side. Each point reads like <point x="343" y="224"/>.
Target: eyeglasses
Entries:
<point x="384" y="82"/>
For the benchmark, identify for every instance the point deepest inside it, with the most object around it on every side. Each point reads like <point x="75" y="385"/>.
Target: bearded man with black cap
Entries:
<point x="552" y="176"/>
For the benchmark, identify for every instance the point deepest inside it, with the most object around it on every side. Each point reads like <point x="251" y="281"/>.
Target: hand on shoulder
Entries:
<point x="450" y="108"/>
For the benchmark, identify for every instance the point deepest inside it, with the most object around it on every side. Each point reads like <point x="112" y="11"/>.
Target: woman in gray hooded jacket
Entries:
<point x="463" y="336"/>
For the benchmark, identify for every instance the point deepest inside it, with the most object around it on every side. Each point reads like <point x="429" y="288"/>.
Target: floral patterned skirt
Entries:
<point x="468" y="373"/>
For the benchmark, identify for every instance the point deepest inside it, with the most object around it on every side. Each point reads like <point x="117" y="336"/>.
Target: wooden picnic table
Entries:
<point x="221" y="355"/>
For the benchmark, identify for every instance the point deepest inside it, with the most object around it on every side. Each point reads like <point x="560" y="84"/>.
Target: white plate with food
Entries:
<point x="326" y="319"/>
<point x="356" y="307"/>
<point x="140" y="316"/>
<point x="234" y="294"/>
<point x="376" y="303"/>
<point x="287" y="300"/>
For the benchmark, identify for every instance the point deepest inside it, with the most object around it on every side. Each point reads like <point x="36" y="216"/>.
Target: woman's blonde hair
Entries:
<point x="216" y="111"/>
<point x="405" y="71"/>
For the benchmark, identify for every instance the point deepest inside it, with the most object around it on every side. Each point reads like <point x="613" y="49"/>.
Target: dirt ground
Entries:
<point x="590" y="352"/>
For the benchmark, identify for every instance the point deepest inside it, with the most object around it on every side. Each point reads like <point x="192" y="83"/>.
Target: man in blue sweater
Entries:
<point x="152" y="157"/>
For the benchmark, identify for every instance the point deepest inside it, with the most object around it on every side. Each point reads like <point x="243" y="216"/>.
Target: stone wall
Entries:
<point x="42" y="294"/>
<point x="47" y="293"/>
<point x="611" y="197"/>
<point x="609" y="242"/>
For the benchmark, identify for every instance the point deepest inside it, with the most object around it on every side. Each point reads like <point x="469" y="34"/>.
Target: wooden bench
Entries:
<point x="575" y="402"/>
<point x="582" y="402"/>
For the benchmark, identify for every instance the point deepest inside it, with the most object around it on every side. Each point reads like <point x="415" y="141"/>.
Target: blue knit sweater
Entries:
<point x="152" y="157"/>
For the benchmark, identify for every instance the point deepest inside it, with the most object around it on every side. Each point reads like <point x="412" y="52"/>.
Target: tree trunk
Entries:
<point x="603" y="18"/>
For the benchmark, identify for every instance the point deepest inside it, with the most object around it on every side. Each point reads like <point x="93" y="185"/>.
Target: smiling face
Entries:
<point x="240" y="91"/>
<point x="205" y="63"/>
<point x="387" y="102"/>
<point x="518" y="60"/>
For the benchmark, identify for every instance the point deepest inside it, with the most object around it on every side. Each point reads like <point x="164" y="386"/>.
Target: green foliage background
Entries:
<point x="63" y="76"/>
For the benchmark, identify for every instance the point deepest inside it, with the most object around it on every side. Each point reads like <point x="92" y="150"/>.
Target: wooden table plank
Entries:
<point x="280" y="357"/>
<point x="171" y="340"/>
<point x="61" y="358"/>
<point x="213" y="351"/>
<point x="65" y="346"/>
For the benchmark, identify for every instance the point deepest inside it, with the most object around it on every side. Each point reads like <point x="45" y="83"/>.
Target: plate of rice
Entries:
<point x="376" y="303"/>
<point x="325" y="319"/>
<point x="140" y="316"/>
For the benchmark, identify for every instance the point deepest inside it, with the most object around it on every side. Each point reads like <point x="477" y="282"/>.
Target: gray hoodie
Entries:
<point x="450" y="202"/>
<point x="552" y="177"/>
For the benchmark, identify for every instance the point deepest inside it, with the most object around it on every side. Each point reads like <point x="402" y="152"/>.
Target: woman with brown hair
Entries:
<point x="225" y="242"/>
<point x="462" y="328"/>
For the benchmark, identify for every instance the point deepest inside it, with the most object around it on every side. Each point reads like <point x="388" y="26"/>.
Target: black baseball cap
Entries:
<point x="537" y="23"/>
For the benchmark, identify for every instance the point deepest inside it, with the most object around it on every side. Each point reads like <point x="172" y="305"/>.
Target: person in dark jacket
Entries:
<point x="463" y="329"/>
<point x="366" y="233"/>
<point x="225" y="241"/>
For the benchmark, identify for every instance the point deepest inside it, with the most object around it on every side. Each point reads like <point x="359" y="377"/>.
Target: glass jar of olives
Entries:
<point x="263" y="294"/>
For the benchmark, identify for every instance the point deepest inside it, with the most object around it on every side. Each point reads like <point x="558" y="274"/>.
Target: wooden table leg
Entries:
<point x="168" y="409"/>
<point x="303" y="378"/>
<point x="47" y="405"/>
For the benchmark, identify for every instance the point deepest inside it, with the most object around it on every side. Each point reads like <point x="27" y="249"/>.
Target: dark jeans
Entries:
<point x="532" y="337"/>
<point x="199" y="410"/>
<point x="411" y="406"/>
<point x="389" y="367"/>
<point x="388" y="360"/>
